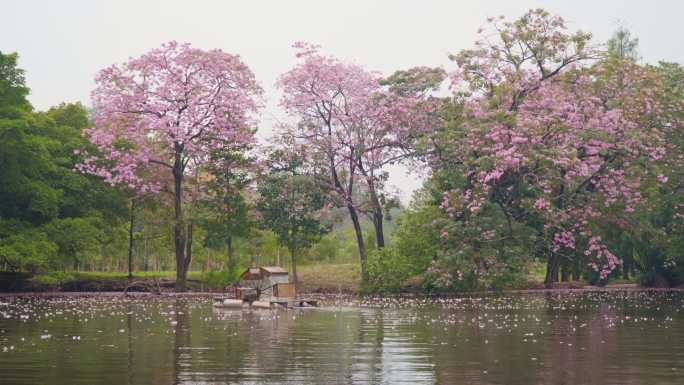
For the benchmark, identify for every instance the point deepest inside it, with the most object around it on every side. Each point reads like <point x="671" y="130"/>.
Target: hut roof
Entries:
<point x="273" y="270"/>
<point x="258" y="273"/>
<point x="253" y="273"/>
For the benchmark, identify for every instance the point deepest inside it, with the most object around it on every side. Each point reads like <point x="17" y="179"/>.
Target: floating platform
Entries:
<point x="230" y="303"/>
<point x="268" y="303"/>
<point x="295" y="302"/>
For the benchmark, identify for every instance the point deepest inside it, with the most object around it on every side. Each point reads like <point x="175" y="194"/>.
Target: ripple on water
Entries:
<point x="589" y="338"/>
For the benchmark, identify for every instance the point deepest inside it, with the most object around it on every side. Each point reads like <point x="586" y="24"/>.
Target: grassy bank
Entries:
<point x="324" y="278"/>
<point x="329" y="278"/>
<point x="313" y="278"/>
<point x="95" y="281"/>
<point x="59" y="276"/>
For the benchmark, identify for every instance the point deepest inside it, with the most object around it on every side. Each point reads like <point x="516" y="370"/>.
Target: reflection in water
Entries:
<point x="601" y="338"/>
<point x="130" y="350"/>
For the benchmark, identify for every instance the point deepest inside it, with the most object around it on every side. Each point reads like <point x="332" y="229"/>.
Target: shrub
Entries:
<point x="388" y="271"/>
<point x="466" y="270"/>
<point x="28" y="251"/>
<point x="56" y="278"/>
<point x="219" y="279"/>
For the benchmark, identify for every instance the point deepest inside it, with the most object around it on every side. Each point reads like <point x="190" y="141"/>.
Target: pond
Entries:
<point x="570" y="338"/>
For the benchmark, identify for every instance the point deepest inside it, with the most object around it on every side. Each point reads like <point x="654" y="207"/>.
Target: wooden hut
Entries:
<point x="274" y="275"/>
<point x="272" y="281"/>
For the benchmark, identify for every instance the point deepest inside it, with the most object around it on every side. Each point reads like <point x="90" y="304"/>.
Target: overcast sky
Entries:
<point x="62" y="44"/>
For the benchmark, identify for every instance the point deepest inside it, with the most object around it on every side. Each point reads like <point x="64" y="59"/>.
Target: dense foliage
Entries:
<point x="291" y="203"/>
<point x="547" y="157"/>
<point x="50" y="216"/>
<point x="159" y="116"/>
<point x="556" y="151"/>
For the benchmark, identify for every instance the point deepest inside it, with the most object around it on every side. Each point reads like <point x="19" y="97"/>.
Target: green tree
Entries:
<point x="659" y="224"/>
<point x="622" y="45"/>
<point x="76" y="239"/>
<point x="39" y="189"/>
<point x="290" y="203"/>
<point x="13" y="89"/>
<point x="227" y="214"/>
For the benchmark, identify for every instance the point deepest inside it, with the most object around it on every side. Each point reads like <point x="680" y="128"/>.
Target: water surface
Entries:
<point x="590" y="338"/>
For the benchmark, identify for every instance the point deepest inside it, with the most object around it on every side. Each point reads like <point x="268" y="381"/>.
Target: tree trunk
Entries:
<point x="554" y="261"/>
<point x="377" y="218"/>
<point x="188" y="246"/>
<point x="179" y="236"/>
<point x="576" y="270"/>
<point x="625" y="270"/>
<point x="359" y="239"/>
<point x="229" y="247"/>
<point x="293" y="256"/>
<point x="379" y="230"/>
<point x="183" y="264"/>
<point x="551" y="271"/>
<point x="146" y="261"/>
<point x="565" y="273"/>
<point x="130" y="240"/>
<point x="348" y="196"/>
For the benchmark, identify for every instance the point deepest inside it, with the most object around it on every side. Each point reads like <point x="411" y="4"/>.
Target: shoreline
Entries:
<point x="209" y="294"/>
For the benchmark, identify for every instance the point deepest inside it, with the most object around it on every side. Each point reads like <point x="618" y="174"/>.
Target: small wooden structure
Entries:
<point x="246" y="294"/>
<point x="269" y="274"/>
<point x="286" y="290"/>
<point x="266" y="285"/>
<point x="264" y="279"/>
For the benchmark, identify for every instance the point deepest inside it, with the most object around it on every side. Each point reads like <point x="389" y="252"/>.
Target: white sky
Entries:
<point x="62" y="44"/>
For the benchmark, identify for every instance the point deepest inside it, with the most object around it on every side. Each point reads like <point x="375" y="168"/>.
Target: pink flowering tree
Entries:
<point x="544" y="142"/>
<point x="352" y="126"/>
<point x="651" y="96"/>
<point x="157" y="118"/>
<point x="384" y="137"/>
